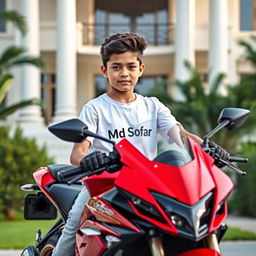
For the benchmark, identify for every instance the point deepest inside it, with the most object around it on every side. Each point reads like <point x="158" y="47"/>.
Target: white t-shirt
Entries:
<point x="139" y="121"/>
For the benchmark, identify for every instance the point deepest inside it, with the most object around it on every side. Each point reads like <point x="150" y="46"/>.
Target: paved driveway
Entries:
<point x="227" y="249"/>
<point x="238" y="248"/>
<point x="244" y="223"/>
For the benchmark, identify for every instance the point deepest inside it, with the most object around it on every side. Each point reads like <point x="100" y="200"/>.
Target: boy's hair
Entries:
<point x="120" y="43"/>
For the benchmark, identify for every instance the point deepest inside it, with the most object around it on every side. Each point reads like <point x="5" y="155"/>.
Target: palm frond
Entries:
<point x="217" y="82"/>
<point x="14" y="55"/>
<point x="5" y="84"/>
<point x="250" y="52"/>
<point x="16" y="19"/>
<point x="9" y="54"/>
<point x="35" y="61"/>
<point x="5" y="111"/>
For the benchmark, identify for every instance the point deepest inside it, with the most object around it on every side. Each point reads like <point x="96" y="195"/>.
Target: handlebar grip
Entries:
<point x="69" y="172"/>
<point x="238" y="159"/>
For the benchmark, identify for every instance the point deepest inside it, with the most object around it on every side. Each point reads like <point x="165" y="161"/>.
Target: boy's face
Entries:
<point x="123" y="71"/>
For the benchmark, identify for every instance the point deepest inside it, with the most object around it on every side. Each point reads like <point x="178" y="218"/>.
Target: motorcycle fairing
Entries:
<point x="60" y="194"/>
<point x="89" y="244"/>
<point x="195" y="179"/>
<point x="150" y="175"/>
<point x="43" y="177"/>
<point x="200" y="252"/>
<point x="97" y="184"/>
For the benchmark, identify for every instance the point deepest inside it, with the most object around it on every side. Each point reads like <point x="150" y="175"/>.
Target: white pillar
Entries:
<point x="184" y="37"/>
<point x="30" y="75"/>
<point x="66" y="60"/>
<point x="218" y="59"/>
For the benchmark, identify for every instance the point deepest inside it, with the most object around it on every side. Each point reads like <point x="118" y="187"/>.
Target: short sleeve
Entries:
<point x="89" y="116"/>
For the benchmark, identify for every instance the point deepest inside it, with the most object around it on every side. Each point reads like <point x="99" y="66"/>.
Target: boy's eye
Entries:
<point x="115" y="67"/>
<point x="132" y="67"/>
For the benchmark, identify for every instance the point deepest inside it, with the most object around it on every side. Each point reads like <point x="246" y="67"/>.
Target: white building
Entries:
<point x="67" y="35"/>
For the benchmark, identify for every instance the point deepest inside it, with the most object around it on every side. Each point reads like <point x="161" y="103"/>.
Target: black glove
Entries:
<point x="217" y="152"/>
<point x="93" y="161"/>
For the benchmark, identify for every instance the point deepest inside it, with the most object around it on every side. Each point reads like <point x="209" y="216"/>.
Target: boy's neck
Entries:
<point x="122" y="98"/>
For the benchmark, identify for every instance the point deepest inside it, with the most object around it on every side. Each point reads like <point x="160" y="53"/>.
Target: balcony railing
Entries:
<point x="156" y="34"/>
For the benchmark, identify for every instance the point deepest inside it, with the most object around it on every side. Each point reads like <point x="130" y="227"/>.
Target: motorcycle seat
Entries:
<point x="61" y="191"/>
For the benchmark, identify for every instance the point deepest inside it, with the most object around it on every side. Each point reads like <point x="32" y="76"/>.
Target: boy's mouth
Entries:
<point x="124" y="81"/>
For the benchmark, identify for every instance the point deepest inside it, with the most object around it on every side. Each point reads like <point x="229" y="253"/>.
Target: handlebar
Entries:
<point x="111" y="164"/>
<point x="69" y="173"/>
<point x="238" y="159"/>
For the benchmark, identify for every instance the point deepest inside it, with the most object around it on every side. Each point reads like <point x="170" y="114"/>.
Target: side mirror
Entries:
<point x="230" y="118"/>
<point x="236" y="117"/>
<point x="71" y="130"/>
<point x="74" y="130"/>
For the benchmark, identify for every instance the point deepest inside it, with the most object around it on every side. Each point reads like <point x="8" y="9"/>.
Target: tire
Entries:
<point x="50" y="245"/>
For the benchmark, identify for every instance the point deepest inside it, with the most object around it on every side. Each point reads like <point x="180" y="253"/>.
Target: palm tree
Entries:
<point x="14" y="56"/>
<point x="199" y="110"/>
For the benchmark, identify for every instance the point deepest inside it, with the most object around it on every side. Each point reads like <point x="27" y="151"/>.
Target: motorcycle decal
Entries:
<point x="102" y="212"/>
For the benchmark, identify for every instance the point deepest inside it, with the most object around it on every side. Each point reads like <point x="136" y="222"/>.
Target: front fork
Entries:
<point x="156" y="244"/>
<point x="212" y="242"/>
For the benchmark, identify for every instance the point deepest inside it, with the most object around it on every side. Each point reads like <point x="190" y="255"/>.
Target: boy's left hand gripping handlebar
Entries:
<point x="111" y="163"/>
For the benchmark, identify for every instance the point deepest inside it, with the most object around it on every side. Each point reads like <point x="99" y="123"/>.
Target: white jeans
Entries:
<point x="67" y="241"/>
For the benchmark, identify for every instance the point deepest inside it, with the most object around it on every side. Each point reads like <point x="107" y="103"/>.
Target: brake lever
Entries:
<point x="233" y="167"/>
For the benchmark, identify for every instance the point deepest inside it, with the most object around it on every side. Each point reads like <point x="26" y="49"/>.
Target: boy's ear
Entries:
<point x="104" y="71"/>
<point x="142" y="68"/>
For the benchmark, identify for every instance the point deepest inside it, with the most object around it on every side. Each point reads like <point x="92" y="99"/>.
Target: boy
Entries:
<point x="116" y="114"/>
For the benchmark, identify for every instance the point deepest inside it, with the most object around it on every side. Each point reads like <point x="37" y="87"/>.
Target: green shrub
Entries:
<point x="243" y="200"/>
<point x="20" y="156"/>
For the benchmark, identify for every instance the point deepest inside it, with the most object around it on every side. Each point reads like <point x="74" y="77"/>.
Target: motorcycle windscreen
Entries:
<point x="174" y="149"/>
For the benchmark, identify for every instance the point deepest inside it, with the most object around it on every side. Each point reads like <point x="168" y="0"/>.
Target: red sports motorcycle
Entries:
<point x="173" y="205"/>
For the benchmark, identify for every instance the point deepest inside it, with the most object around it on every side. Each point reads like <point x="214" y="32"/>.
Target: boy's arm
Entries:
<point x="191" y="135"/>
<point x="79" y="151"/>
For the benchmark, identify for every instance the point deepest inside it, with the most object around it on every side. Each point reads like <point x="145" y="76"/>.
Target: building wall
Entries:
<point x="159" y="60"/>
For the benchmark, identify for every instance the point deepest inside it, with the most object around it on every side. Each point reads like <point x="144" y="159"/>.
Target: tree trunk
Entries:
<point x="9" y="213"/>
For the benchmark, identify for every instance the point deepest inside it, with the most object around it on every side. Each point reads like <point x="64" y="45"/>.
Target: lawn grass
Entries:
<point x="20" y="233"/>
<point x="235" y="234"/>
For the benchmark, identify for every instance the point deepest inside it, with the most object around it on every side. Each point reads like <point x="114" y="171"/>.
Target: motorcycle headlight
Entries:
<point x="143" y="207"/>
<point x="178" y="221"/>
<point x="191" y="221"/>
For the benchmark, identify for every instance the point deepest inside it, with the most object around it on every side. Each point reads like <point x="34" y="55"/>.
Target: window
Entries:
<point x="48" y="95"/>
<point x="2" y="22"/>
<point x="247" y="15"/>
<point x="150" y="20"/>
<point x="147" y="83"/>
<point x="143" y="87"/>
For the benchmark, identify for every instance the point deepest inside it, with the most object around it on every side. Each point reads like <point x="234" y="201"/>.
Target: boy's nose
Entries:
<point x="124" y="73"/>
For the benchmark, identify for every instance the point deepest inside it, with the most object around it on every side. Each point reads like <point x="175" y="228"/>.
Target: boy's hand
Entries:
<point x="217" y="152"/>
<point x="93" y="161"/>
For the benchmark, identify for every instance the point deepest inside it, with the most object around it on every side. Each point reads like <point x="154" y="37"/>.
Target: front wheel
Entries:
<point x="50" y="245"/>
<point x="200" y="252"/>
